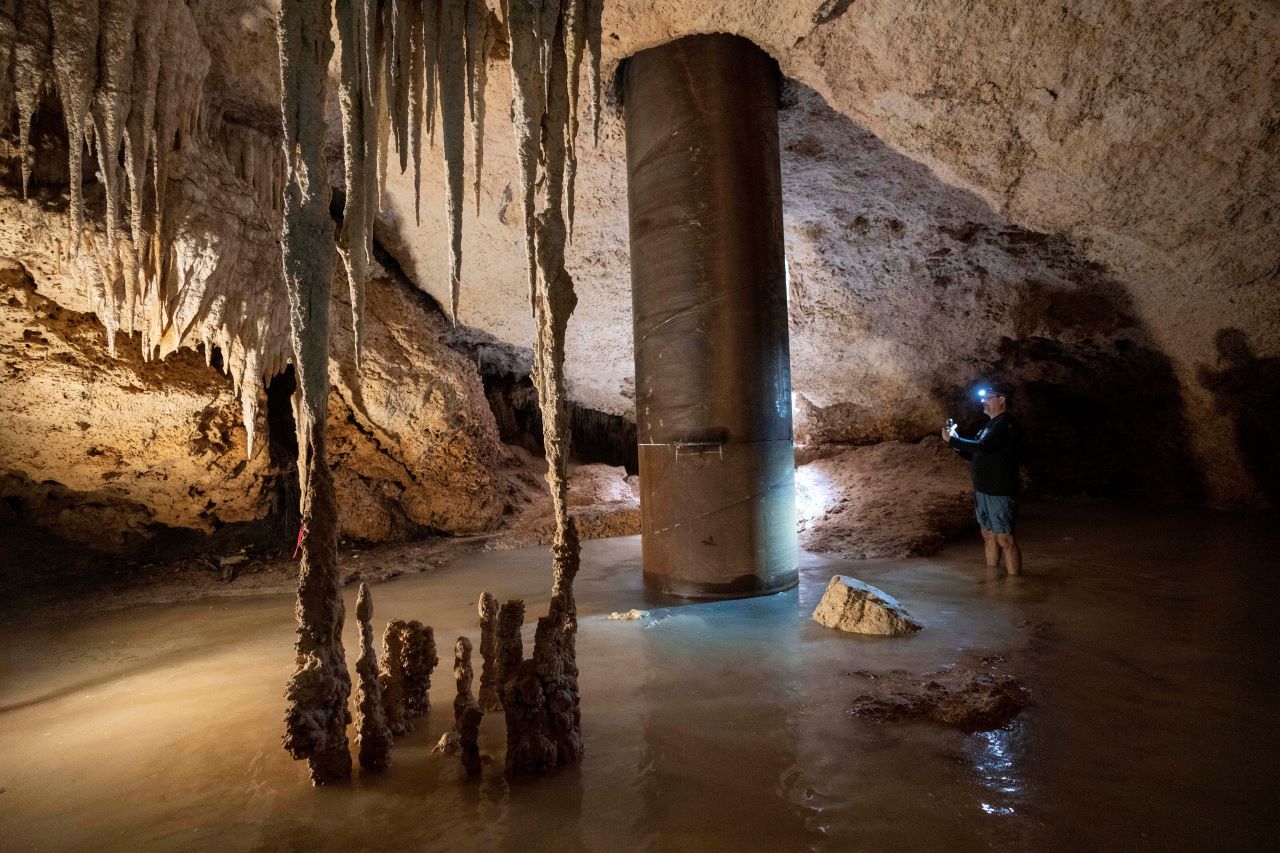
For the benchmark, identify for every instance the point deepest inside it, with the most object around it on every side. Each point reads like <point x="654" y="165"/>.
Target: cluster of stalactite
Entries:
<point x="129" y="77"/>
<point x="398" y="59"/>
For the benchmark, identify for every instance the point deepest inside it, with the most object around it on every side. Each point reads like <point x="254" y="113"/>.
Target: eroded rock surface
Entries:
<point x="892" y="499"/>
<point x="966" y="698"/>
<point x="107" y="451"/>
<point x="858" y="608"/>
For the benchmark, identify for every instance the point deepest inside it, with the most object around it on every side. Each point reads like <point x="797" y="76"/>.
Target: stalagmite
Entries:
<point x="420" y="659"/>
<point x="318" y="691"/>
<point x="595" y="11"/>
<point x="372" y="735"/>
<point x="510" y="647"/>
<point x="391" y="679"/>
<point x="528" y="105"/>
<point x="480" y="39"/>
<point x="357" y="219"/>
<point x="75" y="70"/>
<point x="489" y="683"/>
<point x="466" y="711"/>
<point x="31" y="65"/>
<point x="452" y="72"/>
<point x="408" y="657"/>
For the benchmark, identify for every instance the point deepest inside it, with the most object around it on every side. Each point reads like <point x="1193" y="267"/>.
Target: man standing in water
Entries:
<point x="993" y="455"/>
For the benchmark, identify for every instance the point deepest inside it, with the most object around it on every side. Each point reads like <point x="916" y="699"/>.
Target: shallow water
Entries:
<point x="1145" y="638"/>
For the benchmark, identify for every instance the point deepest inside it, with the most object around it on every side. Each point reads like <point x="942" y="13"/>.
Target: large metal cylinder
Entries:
<point x="709" y="300"/>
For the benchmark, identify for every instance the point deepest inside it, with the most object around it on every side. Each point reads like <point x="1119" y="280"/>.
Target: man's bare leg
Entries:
<point x="1012" y="553"/>
<point x="992" y="548"/>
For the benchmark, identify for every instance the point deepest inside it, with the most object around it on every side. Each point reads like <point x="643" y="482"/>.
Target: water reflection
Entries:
<point x="998" y="758"/>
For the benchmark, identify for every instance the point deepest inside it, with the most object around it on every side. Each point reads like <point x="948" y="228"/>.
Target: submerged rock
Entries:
<point x="964" y="698"/>
<point x="853" y="606"/>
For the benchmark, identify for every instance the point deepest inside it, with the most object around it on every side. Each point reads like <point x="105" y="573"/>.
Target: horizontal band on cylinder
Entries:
<point x="719" y="523"/>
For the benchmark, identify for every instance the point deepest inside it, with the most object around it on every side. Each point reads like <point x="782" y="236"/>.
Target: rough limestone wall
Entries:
<point x="125" y="446"/>
<point x="1144" y="136"/>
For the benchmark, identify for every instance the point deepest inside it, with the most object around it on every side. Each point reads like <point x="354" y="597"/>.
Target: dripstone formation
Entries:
<point x="466" y="711"/>
<point x="489" y="685"/>
<point x="372" y="735"/>
<point x="408" y="656"/>
<point x="316" y="722"/>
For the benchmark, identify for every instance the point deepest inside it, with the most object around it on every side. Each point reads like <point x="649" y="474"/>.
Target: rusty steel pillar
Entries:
<point x="709" y="300"/>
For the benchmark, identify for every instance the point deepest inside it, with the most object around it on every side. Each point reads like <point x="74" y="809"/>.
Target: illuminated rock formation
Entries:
<point x="489" y="699"/>
<point x="408" y="657"/>
<point x="466" y="711"/>
<point x="373" y="738"/>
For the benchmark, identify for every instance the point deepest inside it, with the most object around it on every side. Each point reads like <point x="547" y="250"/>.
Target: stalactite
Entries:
<point x="400" y="79"/>
<point x="466" y="711"/>
<point x="110" y="106"/>
<point x="489" y="683"/>
<point x="138" y="137"/>
<point x="595" y="12"/>
<point x="452" y="74"/>
<point x="75" y="70"/>
<point x="431" y="53"/>
<point x="528" y="105"/>
<point x="480" y="39"/>
<point x="373" y="738"/>
<point x="8" y="39"/>
<point x="318" y="691"/>
<point x="575" y="37"/>
<point x="555" y="122"/>
<point x="357" y="220"/>
<point x="417" y="72"/>
<point x="386" y="103"/>
<point x="373" y="102"/>
<point x="31" y="65"/>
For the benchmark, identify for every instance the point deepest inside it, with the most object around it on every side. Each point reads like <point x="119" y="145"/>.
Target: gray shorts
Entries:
<point x="996" y="513"/>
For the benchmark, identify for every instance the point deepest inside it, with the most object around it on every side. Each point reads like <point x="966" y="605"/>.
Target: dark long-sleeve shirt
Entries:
<point x="994" y="456"/>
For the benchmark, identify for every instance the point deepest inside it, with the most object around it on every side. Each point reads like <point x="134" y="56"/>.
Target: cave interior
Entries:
<point x="598" y="353"/>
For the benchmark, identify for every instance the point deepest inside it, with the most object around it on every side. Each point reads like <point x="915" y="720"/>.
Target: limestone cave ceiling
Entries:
<point x="1042" y="189"/>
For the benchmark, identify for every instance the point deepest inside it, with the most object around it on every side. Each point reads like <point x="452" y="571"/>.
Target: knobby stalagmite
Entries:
<point x="408" y="657"/>
<point x="318" y="691"/>
<point x="373" y="737"/>
<point x="466" y="711"/>
<point x="489" y="684"/>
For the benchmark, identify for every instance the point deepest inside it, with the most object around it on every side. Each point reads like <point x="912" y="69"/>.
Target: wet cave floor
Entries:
<point x="1146" y="639"/>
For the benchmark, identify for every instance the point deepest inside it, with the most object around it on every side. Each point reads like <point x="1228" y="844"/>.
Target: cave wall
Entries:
<point x="1077" y="197"/>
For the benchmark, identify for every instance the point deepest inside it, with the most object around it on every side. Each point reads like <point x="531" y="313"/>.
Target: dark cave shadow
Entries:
<point x="1099" y="403"/>
<point x="1247" y="389"/>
